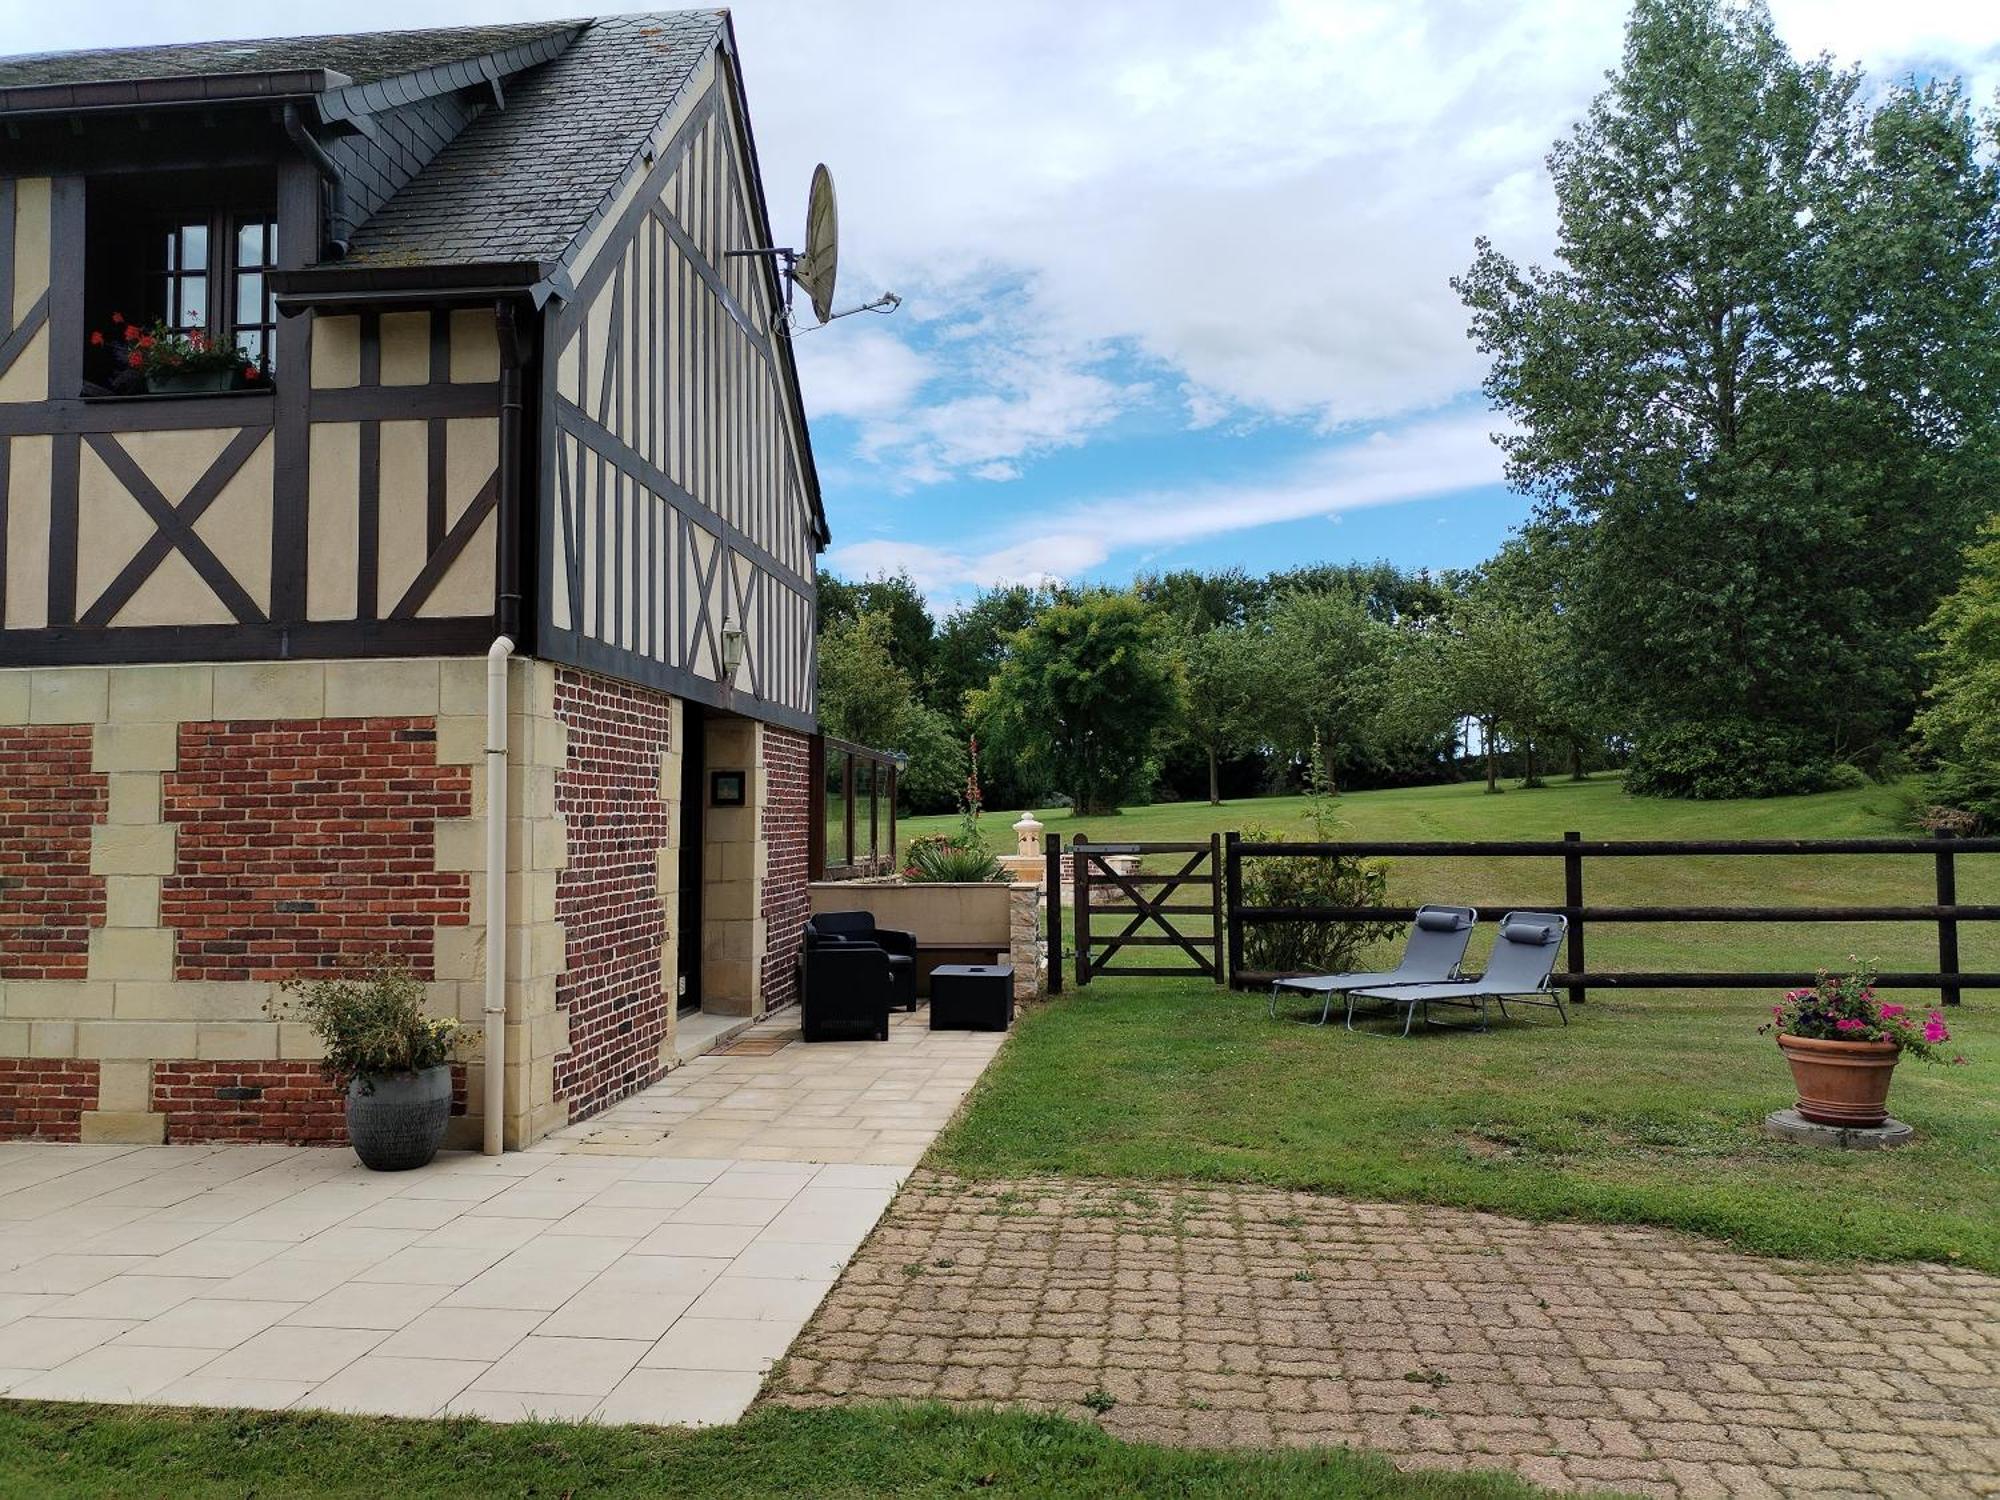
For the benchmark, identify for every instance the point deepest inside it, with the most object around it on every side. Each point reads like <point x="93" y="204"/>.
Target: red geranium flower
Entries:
<point x="118" y="317"/>
<point x="251" y="372"/>
<point x="135" y="359"/>
<point x="97" y="337"/>
<point x="145" y="341"/>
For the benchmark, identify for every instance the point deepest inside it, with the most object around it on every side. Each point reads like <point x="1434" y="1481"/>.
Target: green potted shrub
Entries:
<point x="1843" y="1045"/>
<point x="392" y="1059"/>
<point x="939" y="857"/>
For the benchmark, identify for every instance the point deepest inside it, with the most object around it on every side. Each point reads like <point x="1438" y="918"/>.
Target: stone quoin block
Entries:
<point x="131" y="953"/>
<point x="134" y="747"/>
<point x="132" y="849"/>
<point x="80" y="695"/>
<point x="168" y="695"/>
<point x="134" y="796"/>
<point x="270" y="690"/>
<point x="133" y="1127"/>
<point x="131" y="901"/>
<point x="381" y="689"/>
<point x="16" y="695"/>
<point x="57" y="1000"/>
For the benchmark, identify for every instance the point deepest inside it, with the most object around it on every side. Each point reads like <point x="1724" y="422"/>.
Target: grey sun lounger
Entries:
<point x="1524" y="955"/>
<point x="1437" y="943"/>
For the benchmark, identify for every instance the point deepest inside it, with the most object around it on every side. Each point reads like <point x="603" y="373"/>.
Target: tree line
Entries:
<point x="1207" y="684"/>
<point x="1755" y="397"/>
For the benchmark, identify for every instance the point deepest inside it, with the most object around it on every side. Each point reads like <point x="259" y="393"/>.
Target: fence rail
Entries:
<point x="1945" y="912"/>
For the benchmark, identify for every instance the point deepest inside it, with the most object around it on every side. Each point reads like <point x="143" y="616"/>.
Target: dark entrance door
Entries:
<point x="694" y="800"/>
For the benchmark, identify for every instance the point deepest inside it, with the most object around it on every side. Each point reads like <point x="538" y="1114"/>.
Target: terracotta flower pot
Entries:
<point x="1841" y="1083"/>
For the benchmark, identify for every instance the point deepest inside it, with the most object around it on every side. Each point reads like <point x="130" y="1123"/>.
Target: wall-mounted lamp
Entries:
<point x="732" y="651"/>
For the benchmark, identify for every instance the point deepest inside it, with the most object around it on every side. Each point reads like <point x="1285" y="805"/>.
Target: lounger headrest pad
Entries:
<point x="1529" y="930"/>
<point x="1443" y="921"/>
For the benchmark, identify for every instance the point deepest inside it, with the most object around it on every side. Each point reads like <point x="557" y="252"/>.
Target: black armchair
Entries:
<point x="850" y="928"/>
<point x="847" y="992"/>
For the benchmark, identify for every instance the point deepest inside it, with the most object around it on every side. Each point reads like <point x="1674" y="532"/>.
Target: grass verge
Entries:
<point x="65" y="1452"/>
<point x="1645" y="1110"/>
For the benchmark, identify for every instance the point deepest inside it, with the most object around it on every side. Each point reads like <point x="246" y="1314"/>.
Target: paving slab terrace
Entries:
<point x="645" y="1266"/>
<point x="1580" y="1356"/>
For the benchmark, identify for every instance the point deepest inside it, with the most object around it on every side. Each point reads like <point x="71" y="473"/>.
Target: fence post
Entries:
<point x="1215" y="930"/>
<point x="1573" y="898"/>
<point x="1233" y="882"/>
<point x="1079" y="889"/>
<point x="1052" y="886"/>
<point x="1947" y="895"/>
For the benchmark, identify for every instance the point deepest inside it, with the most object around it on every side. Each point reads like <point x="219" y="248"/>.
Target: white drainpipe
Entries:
<point x="496" y="891"/>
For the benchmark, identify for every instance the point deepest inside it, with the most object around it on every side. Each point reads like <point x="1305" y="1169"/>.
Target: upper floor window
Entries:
<point x="191" y="254"/>
<point x="180" y="291"/>
<point x="256" y="312"/>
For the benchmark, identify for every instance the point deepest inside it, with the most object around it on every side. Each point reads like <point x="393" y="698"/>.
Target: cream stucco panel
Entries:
<point x="467" y="586"/>
<point x="336" y="352"/>
<point x="174" y="594"/>
<point x="406" y="348"/>
<point x="475" y="346"/>
<point x="471" y="454"/>
<point x="110" y="528"/>
<point x="401" y="506"/>
<point x="27" y="378"/>
<point x="31" y="243"/>
<point x="27" y="532"/>
<point x="237" y="526"/>
<point x="333" y="507"/>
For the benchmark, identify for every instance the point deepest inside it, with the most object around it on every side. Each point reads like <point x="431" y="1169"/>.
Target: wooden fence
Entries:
<point x="1945" y="913"/>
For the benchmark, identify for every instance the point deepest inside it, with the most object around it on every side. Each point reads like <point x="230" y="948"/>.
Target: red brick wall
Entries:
<point x="307" y="846"/>
<point x="788" y="813"/>
<point x="49" y="900"/>
<point x="43" y="1098"/>
<point x="608" y="898"/>
<point x="274" y="1102"/>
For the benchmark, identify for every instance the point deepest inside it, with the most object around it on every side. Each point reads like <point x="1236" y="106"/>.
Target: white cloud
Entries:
<point x="860" y="373"/>
<point x="1268" y="198"/>
<point x="1429" y="458"/>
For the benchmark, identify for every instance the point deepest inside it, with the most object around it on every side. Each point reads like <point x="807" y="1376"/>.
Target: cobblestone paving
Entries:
<point x="1578" y="1356"/>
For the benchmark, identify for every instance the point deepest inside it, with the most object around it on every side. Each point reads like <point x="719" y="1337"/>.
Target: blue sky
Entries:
<point x="1176" y="273"/>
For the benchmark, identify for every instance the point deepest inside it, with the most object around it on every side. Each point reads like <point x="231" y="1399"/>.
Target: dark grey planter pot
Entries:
<point x="397" y="1123"/>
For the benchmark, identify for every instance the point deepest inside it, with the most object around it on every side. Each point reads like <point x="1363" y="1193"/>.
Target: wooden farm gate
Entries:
<point x="1147" y="908"/>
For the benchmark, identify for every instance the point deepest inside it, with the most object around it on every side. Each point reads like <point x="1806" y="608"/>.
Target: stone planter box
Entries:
<point x="955" y="922"/>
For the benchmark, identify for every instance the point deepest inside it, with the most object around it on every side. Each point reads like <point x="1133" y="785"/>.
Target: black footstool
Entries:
<point x="972" y="997"/>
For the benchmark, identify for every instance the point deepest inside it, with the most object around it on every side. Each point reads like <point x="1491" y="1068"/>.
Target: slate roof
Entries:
<point x="523" y="182"/>
<point x="363" y="57"/>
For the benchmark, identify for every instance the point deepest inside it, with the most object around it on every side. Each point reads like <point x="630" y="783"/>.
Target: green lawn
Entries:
<point x="63" y="1452"/>
<point x="1646" y="1110"/>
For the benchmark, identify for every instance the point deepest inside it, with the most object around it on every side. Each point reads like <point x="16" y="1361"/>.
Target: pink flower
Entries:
<point x="1890" y="1012"/>
<point x="1848" y="1023"/>
<point x="1934" y="1029"/>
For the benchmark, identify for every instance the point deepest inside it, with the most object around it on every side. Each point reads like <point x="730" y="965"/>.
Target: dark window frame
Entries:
<point x="223" y="205"/>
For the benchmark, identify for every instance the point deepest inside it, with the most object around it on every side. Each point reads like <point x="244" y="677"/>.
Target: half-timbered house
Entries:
<point x="501" y="379"/>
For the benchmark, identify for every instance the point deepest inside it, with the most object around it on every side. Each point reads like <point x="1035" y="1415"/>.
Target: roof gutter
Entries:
<point x="265" y="87"/>
<point x="329" y="170"/>
<point x="352" y="287"/>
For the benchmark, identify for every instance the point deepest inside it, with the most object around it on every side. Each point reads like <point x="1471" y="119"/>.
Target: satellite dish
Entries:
<point x="813" y="268"/>
<point x="816" y="267"/>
